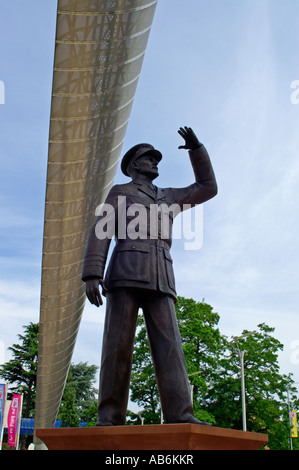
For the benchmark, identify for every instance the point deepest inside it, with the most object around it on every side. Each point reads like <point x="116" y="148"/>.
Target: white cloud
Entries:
<point x="19" y="305"/>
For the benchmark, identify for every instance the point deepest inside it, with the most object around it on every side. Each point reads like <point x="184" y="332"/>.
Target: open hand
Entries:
<point x="191" y="141"/>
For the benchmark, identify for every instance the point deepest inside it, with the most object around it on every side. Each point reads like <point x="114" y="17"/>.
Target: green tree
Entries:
<point x="20" y="371"/>
<point x="91" y="413"/>
<point x="79" y="395"/>
<point x="213" y="367"/>
<point x="266" y="388"/>
<point x="68" y="413"/>
<point x="82" y="379"/>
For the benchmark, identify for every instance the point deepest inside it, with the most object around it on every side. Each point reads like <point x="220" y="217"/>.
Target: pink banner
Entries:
<point x="13" y="420"/>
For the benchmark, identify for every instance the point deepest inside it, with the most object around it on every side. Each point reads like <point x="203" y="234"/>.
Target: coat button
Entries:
<point x="133" y="247"/>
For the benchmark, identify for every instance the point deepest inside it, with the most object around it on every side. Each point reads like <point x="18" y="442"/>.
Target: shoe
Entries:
<point x="104" y="423"/>
<point x="192" y="420"/>
<point x="196" y="421"/>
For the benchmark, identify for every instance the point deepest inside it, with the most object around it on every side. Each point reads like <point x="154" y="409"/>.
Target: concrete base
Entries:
<point x="151" y="437"/>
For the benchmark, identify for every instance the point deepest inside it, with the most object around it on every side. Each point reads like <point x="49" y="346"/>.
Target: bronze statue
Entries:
<point x="140" y="275"/>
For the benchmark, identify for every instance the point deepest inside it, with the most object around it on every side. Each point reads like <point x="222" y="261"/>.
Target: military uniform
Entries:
<point x="140" y="275"/>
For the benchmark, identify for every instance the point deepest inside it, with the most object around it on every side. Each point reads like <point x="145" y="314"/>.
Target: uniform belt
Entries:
<point x="149" y="241"/>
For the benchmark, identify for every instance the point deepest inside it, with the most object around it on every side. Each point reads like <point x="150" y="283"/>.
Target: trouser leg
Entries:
<point x="168" y="358"/>
<point x="117" y="354"/>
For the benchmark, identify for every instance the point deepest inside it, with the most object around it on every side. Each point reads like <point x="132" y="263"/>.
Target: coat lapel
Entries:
<point x="146" y="190"/>
<point x="160" y="194"/>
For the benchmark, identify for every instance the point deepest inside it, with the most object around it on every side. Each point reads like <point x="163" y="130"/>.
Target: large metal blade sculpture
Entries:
<point x="100" y="45"/>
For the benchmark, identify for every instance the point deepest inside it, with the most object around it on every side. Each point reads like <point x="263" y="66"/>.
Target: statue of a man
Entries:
<point x="140" y="275"/>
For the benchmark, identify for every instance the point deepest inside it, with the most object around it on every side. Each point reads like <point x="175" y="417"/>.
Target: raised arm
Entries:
<point x="205" y="186"/>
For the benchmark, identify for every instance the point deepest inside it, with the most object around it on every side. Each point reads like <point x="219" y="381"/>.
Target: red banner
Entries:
<point x="13" y="420"/>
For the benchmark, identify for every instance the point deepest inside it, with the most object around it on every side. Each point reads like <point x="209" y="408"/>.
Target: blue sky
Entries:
<point x="223" y="67"/>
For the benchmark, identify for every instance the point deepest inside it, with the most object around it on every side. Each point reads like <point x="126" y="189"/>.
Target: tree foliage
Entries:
<point x="20" y="371"/>
<point x="266" y="388"/>
<point x="79" y="395"/>
<point x="213" y="366"/>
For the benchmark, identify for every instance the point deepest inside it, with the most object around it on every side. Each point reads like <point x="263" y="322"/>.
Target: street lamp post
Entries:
<point x="191" y="385"/>
<point x="241" y="357"/>
<point x="141" y="417"/>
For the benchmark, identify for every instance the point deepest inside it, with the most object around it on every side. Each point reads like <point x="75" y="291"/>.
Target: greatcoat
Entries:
<point x="140" y="274"/>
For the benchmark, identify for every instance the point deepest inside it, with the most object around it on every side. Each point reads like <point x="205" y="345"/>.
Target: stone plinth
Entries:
<point x="151" y="437"/>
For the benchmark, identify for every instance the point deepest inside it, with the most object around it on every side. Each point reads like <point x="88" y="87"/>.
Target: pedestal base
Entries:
<point x="151" y="437"/>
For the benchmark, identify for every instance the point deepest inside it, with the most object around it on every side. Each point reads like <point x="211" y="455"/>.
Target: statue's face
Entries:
<point x="147" y="165"/>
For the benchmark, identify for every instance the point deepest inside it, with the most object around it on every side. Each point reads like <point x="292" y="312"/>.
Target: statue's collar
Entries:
<point x="147" y="188"/>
